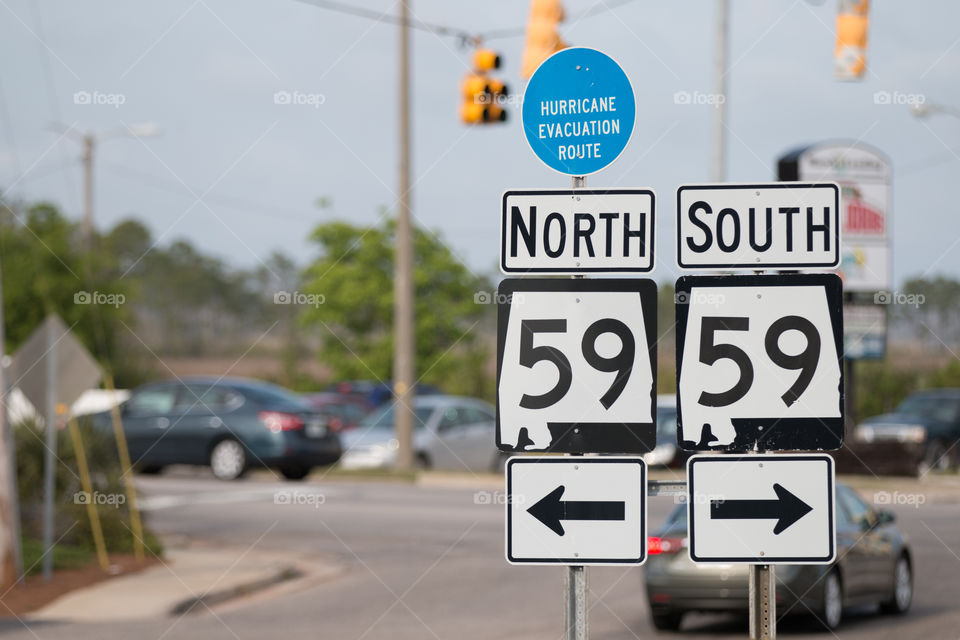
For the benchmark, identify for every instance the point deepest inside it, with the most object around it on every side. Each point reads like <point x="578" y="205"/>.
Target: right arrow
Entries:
<point x="786" y="509"/>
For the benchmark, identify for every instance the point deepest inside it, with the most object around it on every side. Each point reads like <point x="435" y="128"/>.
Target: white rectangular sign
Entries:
<point x="577" y="231"/>
<point x="576" y="510"/>
<point x="759" y="509"/>
<point x="758" y="226"/>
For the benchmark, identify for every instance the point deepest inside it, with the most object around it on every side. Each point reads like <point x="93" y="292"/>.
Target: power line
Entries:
<point x="464" y="35"/>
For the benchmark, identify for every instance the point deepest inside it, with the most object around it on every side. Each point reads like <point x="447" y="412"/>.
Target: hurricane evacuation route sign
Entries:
<point x="578" y="111"/>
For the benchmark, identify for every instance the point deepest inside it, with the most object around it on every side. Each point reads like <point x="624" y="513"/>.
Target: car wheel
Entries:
<point x="667" y="620"/>
<point x="902" y="595"/>
<point x="228" y="460"/>
<point x="151" y="469"/>
<point x="832" y="607"/>
<point x="295" y="473"/>
<point x="421" y="461"/>
<point x="936" y="458"/>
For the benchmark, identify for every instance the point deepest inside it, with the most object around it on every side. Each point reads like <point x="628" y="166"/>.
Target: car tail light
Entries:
<point x="335" y="424"/>
<point x="278" y="421"/>
<point x="656" y="546"/>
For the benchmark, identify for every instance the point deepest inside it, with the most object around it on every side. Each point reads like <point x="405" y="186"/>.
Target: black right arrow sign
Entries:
<point x="786" y="509"/>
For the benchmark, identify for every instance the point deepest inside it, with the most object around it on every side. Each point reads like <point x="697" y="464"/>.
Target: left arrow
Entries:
<point x="550" y="510"/>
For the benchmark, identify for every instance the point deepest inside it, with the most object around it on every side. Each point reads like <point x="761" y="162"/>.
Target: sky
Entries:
<point x="240" y="175"/>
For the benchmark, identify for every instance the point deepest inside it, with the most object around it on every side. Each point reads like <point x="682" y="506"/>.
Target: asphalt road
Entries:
<point x="428" y="562"/>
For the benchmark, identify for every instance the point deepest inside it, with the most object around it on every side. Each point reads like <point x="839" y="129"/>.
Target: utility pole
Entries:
<point x="403" y="348"/>
<point x="718" y="169"/>
<point x="88" y="141"/>
<point x="10" y="564"/>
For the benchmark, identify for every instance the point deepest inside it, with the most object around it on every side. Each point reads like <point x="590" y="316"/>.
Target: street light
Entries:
<point x="89" y="141"/>
<point x="924" y="109"/>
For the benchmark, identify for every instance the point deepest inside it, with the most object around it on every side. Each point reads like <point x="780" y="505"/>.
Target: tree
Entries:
<point x="354" y="274"/>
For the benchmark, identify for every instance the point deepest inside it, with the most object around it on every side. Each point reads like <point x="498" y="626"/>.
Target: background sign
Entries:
<point x="762" y="508"/>
<point x="576" y="510"/>
<point x="576" y="365"/>
<point x="757" y="226"/>
<point x="578" y="111"/>
<point x="577" y="231"/>
<point x="864" y="176"/>
<point x="759" y="362"/>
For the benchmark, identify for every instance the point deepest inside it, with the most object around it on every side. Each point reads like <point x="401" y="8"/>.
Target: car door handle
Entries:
<point x="215" y="422"/>
<point x="162" y="423"/>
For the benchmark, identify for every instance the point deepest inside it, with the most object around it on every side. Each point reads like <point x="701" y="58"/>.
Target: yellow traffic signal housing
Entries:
<point x="486" y="60"/>
<point x="483" y="97"/>
<point x="850" y="53"/>
<point x="543" y="39"/>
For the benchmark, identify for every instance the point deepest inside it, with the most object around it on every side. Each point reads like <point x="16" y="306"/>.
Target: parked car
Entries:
<point x="450" y="432"/>
<point x="230" y="424"/>
<point x="374" y="393"/>
<point x="874" y="565"/>
<point x="342" y="411"/>
<point x="923" y="432"/>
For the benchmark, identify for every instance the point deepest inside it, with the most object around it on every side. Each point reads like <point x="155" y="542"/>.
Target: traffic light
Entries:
<point x="543" y="39"/>
<point x="483" y="96"/>
<point x="850" y="54"/>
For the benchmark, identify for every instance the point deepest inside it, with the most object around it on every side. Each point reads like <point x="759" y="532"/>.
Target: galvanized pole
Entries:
<point x="11" y="564"/>
<point x="763" y="603"/>
<point x="403" y="349"/>
<point x="88" y="143"/>
<point x="49" y="462"/>
<point x="575" y="581"/>
<point x="718" y="172"/>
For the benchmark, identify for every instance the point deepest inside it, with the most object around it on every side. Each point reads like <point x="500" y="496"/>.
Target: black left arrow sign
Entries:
<point x="786" y="509"/>
<point x="550" y="510"/>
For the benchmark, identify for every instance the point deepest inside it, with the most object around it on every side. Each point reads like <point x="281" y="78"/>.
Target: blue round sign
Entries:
<point x="578" y="111"/>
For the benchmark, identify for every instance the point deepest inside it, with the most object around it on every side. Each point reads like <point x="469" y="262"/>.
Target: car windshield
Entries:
<point x="944" y="409"/>
<point x="384" y="419"/>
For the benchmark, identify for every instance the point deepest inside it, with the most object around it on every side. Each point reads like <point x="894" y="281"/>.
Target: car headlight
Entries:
<point x="891" y="433"/>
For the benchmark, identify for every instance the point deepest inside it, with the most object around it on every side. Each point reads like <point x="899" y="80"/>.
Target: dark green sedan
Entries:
<point x="228" y="424"/>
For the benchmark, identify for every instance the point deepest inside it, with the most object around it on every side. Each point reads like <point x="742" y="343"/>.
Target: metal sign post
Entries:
<point x="763" y="604"/>
<point x="576" y="578"/>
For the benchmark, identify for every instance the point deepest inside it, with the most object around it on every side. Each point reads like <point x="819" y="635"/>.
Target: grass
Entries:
<point x="64" y="556"/>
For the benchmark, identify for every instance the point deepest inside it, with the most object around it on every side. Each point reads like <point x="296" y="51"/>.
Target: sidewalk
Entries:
<point x="188" y="579"/>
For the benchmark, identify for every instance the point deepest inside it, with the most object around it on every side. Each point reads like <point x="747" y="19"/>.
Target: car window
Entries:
<point x="857" y="510"/>
<point x="384" y="418"/>
<point x="206" y="398"/>
<point x="353" y="413"/>
<point x="666" y="424"/>
<point x="153" y="401"/>
<point x="271" y="394"/>
<point x="454" y="417"/>
<point x="944" y="409"/>
<point x="476" y="415"/>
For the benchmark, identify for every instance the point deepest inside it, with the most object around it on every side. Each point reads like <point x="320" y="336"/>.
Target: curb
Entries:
<point x="212" y="598"/>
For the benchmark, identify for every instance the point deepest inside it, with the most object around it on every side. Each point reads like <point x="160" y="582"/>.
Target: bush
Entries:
<point x="71" y="522"/>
